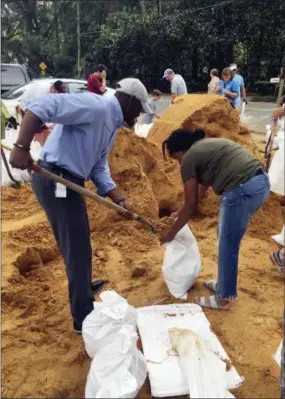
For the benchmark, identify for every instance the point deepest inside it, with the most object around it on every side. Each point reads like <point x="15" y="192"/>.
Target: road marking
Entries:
<point x="259" y="109"/>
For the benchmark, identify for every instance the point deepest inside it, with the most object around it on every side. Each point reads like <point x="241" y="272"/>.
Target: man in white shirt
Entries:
<point x="178" y="85"/>
<point x="37" y="89"/>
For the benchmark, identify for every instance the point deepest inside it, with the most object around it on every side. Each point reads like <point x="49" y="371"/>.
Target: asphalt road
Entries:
<point x="257" y="114"/>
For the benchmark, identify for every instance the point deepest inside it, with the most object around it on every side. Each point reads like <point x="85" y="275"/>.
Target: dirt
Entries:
<point x="42" y="357"/>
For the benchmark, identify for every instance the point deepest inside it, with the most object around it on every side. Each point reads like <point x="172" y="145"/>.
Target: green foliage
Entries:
<point x="141" y="38"/>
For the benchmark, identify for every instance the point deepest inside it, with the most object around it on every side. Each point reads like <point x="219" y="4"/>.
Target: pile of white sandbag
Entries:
<point x="118" y="368"/>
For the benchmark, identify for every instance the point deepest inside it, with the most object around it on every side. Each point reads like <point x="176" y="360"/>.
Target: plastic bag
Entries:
<point x="142" y="130"/>
<point x="22" y="176"/>
<point x="204" y="370"/>
<point x="182" y="263"/>
<point x="276" y="171"/>
<point x="119" y="369"/>
<point x="105" y="321"/>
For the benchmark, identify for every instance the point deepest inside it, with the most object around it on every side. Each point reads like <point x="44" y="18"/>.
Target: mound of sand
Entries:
<point x="212" y="113"/>
<point x="41" y="357"/>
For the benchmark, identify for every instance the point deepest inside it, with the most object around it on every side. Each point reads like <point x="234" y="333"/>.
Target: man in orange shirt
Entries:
<point x="97" y="80"/>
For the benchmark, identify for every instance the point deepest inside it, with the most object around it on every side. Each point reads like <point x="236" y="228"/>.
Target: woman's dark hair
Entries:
<point x="59" y="86"/>
<point x="214" y="72"/>
<point x="100" y="68"/>
<point x="157" y="93"/>
<point x="227" y="71"/>
<point x="181" y="140"/>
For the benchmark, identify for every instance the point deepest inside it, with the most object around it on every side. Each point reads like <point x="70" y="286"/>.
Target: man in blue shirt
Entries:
<point x="77" y="149"/>
<point x="238" y="79"/>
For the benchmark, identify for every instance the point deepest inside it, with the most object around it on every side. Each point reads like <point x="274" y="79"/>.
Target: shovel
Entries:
<point x="269" y="147"/>
<point x="81" y="190"/>
<point x="16" y="184"/>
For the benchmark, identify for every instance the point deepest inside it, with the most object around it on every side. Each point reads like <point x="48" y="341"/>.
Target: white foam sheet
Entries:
<point x="165" y="374"/>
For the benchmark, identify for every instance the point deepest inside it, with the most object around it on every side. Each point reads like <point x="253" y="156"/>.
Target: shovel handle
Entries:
<point x="269" y="147"/>
<point x="78" y="189"/>
<point x="83" y="191"/>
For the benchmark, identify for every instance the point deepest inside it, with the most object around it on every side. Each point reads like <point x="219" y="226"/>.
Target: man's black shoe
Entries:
<point x="97" y="285"/>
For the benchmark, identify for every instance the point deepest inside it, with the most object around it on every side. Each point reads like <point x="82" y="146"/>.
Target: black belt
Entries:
<point x="61" y="172"/>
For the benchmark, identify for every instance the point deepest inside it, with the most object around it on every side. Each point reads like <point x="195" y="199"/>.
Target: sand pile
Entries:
<point x="210" y="112"/>
<point x="41" y="357"/>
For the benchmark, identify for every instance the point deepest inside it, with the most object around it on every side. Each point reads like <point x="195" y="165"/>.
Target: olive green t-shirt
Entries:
<point x="220" y="163"/>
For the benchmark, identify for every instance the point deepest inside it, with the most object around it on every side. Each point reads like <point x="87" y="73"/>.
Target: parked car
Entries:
<point x="12" y="97"/>
<point x="13" y="75"/>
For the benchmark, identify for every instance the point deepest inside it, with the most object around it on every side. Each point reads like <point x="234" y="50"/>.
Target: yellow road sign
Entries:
<point x="43" y="66"/>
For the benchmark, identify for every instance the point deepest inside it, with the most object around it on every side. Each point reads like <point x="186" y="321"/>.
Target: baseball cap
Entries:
<point x="135" y="88"/>
<point x="233" y="67"/>
<point x="167" y="72"/>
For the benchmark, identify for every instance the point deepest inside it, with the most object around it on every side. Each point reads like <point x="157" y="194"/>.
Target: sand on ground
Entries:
<point x="41" y="355"/>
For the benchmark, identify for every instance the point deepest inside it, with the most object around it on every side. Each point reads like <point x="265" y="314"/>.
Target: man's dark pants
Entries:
<point x="69" y="221"/>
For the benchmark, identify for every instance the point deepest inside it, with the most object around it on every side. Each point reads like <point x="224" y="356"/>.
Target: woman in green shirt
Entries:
<point x="241" y="181"/>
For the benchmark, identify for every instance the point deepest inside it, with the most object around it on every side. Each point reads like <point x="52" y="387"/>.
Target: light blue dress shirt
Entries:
<point x="233" y="87"/>
<point x="240" y="81"/>
<point x="84" y="134"/>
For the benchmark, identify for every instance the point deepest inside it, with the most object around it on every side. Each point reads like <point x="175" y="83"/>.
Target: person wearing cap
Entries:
<point x="77" y="149"/>
<point x="178" y="85"/>
<point x="240" y="81"/>
<point x="97" y="81"/>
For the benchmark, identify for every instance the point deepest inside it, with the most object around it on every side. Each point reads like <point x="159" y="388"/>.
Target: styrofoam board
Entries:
<point x="165" y="374"/>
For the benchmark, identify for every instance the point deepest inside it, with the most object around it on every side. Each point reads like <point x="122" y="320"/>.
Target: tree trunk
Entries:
<point x="142" y="4"/>
<point x="78" y="40"/>
<point x="56" y="27"/>
<point x="159" y="7"/>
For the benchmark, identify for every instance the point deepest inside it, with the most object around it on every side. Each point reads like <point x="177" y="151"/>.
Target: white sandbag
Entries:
<point x="280" y="238"/>
<point x="182" y="263"/>
<point x="105" y="321"/>
<point x="142" y="130"/>
<point x="203" y="369"/>
<point x="22" y="176"/>
<point x="276" y="171"/>
<point x="277" y="356"/>
<point x="119" y="369"/>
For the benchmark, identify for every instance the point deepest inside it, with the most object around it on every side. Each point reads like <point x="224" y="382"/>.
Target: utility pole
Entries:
<point x="78" y="40"/>
<point x="159" y="7"/>
<point x="142" y="4"/>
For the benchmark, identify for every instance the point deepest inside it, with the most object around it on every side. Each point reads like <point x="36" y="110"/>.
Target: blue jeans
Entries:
<point x="236" y="209"/>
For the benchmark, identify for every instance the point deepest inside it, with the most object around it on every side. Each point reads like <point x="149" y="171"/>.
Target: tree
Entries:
<point x="143" y="37"/>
